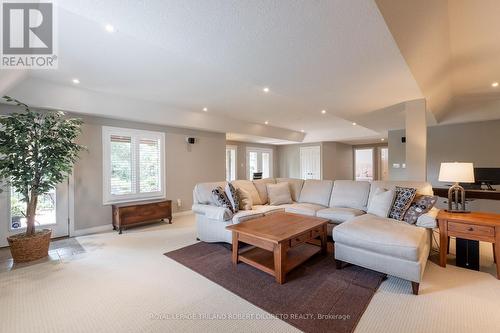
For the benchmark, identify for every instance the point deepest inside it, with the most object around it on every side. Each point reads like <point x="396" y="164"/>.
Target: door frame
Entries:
<point x="70" y="208"/>
<point x="260" y="150"/>
<point x="235" y="147"/>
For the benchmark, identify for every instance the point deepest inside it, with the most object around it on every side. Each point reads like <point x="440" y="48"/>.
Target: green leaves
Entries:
<point x="37" y="150"/>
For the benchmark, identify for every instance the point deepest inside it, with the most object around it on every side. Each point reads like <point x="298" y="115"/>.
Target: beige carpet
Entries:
<point x="125" y="284"/>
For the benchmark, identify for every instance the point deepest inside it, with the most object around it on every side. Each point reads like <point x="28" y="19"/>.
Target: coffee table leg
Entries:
<point x="280" y="262"/>
<point x="235" y="248"/>
<point x="323" y="240"/>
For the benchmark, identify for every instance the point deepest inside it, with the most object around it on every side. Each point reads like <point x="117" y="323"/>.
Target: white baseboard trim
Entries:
<point x="109" y="227"/>
<point x="93" y="230"/>
<point x="183" y="213"/>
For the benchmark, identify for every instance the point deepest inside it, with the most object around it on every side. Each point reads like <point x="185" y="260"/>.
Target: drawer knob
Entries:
<point x="471" y="229"/>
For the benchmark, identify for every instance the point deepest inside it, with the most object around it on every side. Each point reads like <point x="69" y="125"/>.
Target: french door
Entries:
<point x="259" y="160"/>
<point x="52" y="212"/>
<point x="310" y="162"/>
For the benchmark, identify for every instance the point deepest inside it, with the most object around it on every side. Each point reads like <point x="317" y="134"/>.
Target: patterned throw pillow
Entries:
<point x="420" y="205"/>
<point x="233" y="197"/>
<point x="220" y="197"/>
<point x="402" y="201"/>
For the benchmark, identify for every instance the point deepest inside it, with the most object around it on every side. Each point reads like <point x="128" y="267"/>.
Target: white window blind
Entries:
<point x="133" y="167"/>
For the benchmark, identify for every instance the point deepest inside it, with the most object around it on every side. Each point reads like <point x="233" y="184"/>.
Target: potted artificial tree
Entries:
<point x="37" y="152"/>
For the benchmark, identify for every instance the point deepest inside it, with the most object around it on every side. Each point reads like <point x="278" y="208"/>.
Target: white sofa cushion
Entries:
<point x="304" y="209"/>
<point x="268" y="209"/>
<point x="279" y="194"/>
<point x="423" y="188"/>
<point x="245" y="215"/>
<point x="316" y="192"/>
<point x="248" y="186"/>
<point x="339" y="214"/>
<point x="350" y="194"/>
<point x="261" y="186"/>
<point x="381" y="202"/>
<point x="202" y="193"/>
<point x="382" y="235"/>
<point x="295" y="186"/>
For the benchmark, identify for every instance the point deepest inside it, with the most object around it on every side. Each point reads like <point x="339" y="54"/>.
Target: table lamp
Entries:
<point x="457" y="173"/>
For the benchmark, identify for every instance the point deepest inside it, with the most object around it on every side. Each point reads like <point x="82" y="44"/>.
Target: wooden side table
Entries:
<point x="473" y="226"/>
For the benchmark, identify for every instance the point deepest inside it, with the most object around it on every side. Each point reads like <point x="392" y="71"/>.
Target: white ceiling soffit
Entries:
<point x="181" y="56"/>
<point x="256" y="139"/>
<point x="53" y="96"/>
<point x="452" y="49"/>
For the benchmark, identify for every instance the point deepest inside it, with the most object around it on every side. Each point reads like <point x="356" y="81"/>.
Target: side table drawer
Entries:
<point x="471" y="230"/>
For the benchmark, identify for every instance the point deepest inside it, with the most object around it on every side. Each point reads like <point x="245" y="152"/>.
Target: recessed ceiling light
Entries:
<point x="354" y="124"/>
<point x="266" y="122"/>
<point x="265" y="89"/>
<point x="205" y="109"/>
<point x="76" y="81"/>
<point x="109" y="28"/>
<point x="382" y="139"/>
<point x="323" y="111"/>
<point x="302" y="131"/>
<point x="494" y="84"/>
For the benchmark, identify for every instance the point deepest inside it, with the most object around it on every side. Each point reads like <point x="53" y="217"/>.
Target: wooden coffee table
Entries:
<point x="280" y="242"/>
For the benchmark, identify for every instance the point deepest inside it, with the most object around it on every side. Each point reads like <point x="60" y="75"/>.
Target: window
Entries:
<point x="363" y="164"/>
<point x="231" y="163"/>
<point x="133" y="165"/>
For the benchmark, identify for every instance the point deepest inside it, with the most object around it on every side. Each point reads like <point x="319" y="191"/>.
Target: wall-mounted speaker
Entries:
<point x="403" y="139"/>
<point x="190" y="140"/>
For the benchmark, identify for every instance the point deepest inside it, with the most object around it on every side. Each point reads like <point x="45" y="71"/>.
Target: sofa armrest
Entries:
<point x="213" y="212"/>
<point x="428" y="220"/>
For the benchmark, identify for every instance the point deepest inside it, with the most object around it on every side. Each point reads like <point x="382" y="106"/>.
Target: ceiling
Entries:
<point x="452" y="48"/>
<point x="167" y="60"/>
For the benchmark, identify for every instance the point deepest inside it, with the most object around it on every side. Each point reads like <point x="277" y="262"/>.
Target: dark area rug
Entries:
<point x="316" y="297"/>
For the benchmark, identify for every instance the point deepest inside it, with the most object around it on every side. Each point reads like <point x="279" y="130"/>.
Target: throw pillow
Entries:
<point x="402" y="201"/>
<point x="420" y="205"/>
<point x="233" y="197"/>
<point x="246" y="202"/>
<point x="279" y="194"/>
<point x="221" y="199"/>
<point x="381" y="202"/>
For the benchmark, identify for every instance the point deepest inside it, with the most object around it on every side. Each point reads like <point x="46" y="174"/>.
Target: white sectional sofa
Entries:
<point x="382" y="244"/>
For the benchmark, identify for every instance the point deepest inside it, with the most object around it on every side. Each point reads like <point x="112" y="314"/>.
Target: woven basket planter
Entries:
<point x="28" y="248"/>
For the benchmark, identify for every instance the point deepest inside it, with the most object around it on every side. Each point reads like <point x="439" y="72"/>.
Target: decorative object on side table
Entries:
<point x="457" y="173"/>
<point x="37" y="152"/>
<point x="130" y="214"/>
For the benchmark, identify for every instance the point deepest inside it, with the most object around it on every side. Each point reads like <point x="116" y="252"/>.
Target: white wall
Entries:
<point x="185" y="166"/>
<point x="336" y="160"/>
<point x="476" y="142"/>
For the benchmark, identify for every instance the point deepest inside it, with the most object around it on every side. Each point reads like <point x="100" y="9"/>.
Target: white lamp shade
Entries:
<point x="456" y="172"/>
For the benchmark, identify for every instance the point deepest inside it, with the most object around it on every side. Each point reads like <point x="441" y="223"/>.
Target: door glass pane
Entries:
<point x="149" y="165"/>
<point x="121" y="165"/>
<point x="384" y="163"/>
<point x="363" y="161"/>
<point x="45" y="212"/>
<point x="252" y="163"/>
<point x="265" y="165"/>
<point x="230" y="164"/>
